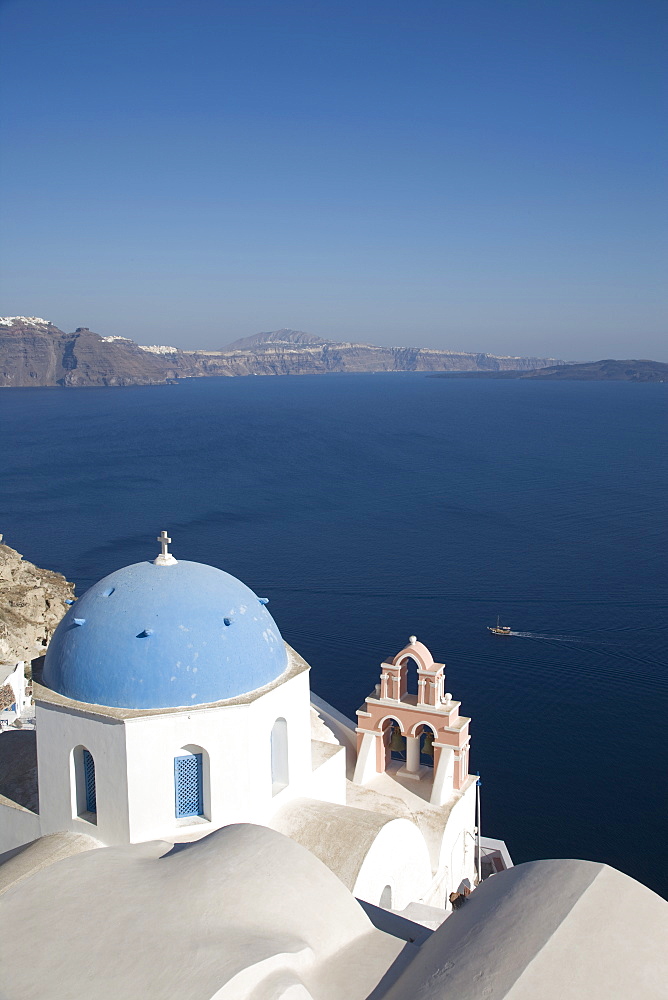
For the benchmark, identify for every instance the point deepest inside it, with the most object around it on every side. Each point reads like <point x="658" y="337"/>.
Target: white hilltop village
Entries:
<point x="182" y="817"/>
<point x="40" y="323"/>
<point x="153" y="348"/>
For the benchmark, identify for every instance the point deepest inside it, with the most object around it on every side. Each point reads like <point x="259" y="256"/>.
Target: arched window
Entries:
<point x="409" y="668"/>
<point x="279" y="756"/>
<point x="85" y="791"/>
<point x="188" y="784"/>
<point x="386" y="898"/>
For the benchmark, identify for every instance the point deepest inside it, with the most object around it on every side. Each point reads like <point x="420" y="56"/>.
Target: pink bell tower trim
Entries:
<point x="432" y="710"/>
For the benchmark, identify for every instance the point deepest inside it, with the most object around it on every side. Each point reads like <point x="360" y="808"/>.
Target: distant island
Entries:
<point x="608" y="370"/>
<point x="35" y="352"/>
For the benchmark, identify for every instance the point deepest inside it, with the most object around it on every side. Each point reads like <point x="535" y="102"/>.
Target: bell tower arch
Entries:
<point x="427" y="725"/>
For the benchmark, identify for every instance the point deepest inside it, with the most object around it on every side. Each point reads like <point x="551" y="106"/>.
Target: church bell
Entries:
<point x="427" y="746"/>
<point x="397" y="741"/>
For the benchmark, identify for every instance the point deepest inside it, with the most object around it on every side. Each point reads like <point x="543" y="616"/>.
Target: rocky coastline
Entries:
<point x="608" y="370"/>
<point x="35" y="352"/>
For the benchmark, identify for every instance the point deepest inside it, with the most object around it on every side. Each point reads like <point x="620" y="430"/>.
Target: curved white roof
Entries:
<point x="345" y="838"/>
<point x="547" y="930"/>
<point x="242" y="907"/>
<point x="247" y="913"/>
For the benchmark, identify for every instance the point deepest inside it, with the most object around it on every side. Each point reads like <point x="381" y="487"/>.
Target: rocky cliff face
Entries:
<point x="32" y="602"/>
<point x="35" y="352"/>
<point x="291" y="352"/>
<point x="278" y="360"/>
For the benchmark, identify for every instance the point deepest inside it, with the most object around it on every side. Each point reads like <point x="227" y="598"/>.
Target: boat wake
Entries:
<point x="552" y="638"/>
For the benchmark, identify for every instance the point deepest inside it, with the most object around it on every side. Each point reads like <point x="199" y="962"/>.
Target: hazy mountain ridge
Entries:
<point x="35" y="352"/>
<point x="284" y="336"/>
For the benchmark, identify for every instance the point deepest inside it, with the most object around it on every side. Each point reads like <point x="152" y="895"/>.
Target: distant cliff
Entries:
<point x="608" y="370"/>
<point x="34" y="352"/>
<point x="291" y="352"/>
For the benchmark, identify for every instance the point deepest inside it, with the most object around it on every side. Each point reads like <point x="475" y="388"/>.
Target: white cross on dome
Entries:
<point x="165" y="558"/>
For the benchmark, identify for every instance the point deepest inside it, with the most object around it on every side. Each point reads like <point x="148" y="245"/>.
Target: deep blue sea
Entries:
<point x="370" y="507"/>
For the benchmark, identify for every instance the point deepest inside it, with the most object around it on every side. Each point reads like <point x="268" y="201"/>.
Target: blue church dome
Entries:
<point x="164" y="636"/>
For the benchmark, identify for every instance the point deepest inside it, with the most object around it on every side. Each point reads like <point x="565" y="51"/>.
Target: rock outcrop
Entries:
<point x="32" y="602"/>
<point x="34" y="352"/>
<point x="608" y="370"/>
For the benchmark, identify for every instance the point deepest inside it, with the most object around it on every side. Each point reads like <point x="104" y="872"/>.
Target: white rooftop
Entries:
<point x="248" y="914"/>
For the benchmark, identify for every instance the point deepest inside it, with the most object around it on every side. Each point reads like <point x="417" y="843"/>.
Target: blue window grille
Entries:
<point x="89" y="781"/>
<point x="188" y="785"/>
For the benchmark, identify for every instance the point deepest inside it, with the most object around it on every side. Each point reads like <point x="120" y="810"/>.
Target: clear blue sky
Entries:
<point x="479" y="174"/>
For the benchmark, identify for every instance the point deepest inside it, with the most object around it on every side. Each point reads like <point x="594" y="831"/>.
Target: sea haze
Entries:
<point x="369" y="507"/>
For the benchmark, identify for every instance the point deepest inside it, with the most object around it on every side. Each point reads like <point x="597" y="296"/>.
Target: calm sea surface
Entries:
<point x="370" y="507"/>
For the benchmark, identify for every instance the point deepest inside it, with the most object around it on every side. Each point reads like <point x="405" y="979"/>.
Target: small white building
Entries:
<point x="169" y="706"/>
<point x="14" y="697"/>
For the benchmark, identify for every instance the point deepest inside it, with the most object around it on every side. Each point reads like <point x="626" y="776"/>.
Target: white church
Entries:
<point x="191" y="805"/>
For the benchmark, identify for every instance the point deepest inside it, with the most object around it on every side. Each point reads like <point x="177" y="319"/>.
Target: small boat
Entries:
<point x="499" y="629"/>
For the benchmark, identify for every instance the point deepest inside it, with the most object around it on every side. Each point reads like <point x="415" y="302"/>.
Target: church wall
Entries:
<point x="59" y="732"/>
<point x="291" y="701"/>
<point x="328" y="778"/>
<point x="236" y="739"/>
<point x="17" y="827"/>
<point x="399" y="858"/>
<point x="458" y="847"/>
<point x="152" y="744"/>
